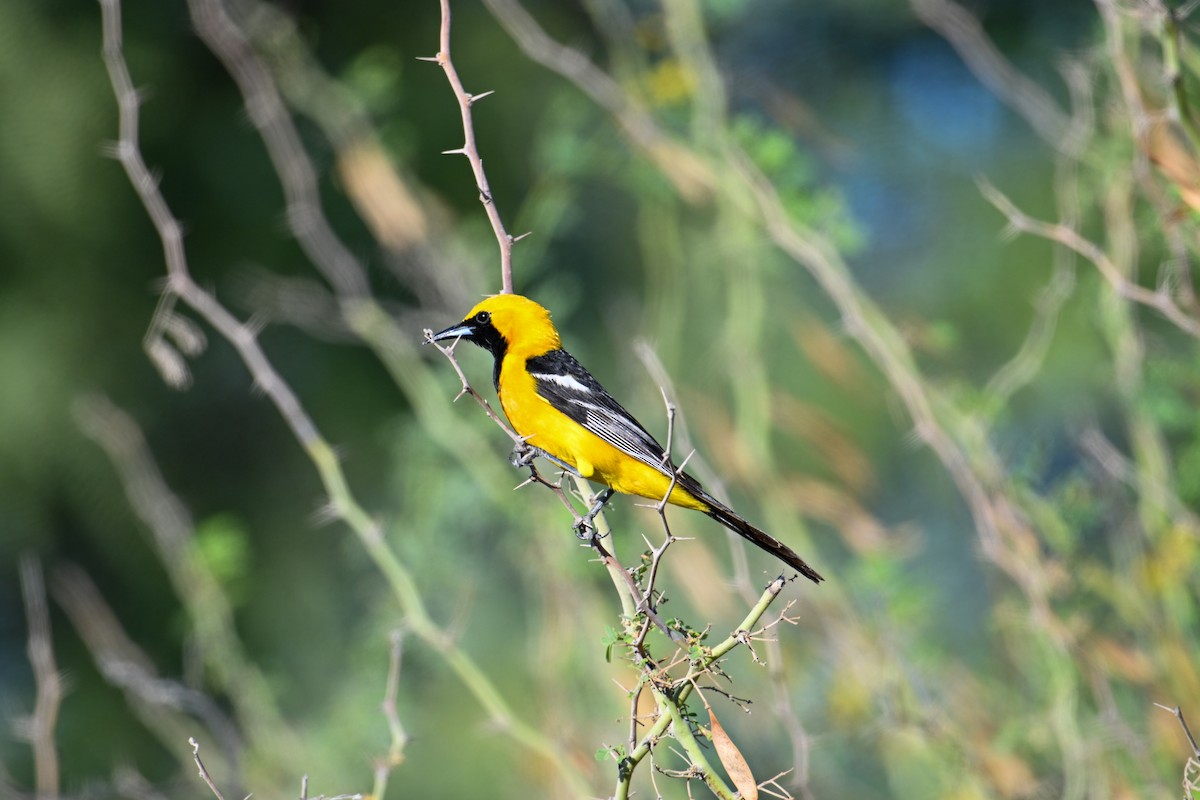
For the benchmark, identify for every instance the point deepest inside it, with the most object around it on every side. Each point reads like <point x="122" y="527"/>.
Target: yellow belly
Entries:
<point x="548" y="429"/>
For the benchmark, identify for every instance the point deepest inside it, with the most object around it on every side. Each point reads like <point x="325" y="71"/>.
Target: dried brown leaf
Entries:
<point x="1175" y="162"/>
<point x="731" y="758"/>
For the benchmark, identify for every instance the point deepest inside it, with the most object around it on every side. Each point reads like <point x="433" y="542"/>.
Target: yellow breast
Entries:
<point x="548" y="429"/>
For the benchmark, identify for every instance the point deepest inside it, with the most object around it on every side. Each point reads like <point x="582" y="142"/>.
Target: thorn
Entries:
<point x="254" y="326"/>
<point x="431" y="59"/>
<point x="111" y="150"/>
<point x="472" y="98"/>
<point x="524" y="483"/>
<point x="461" y="151"/>
<point x="515" y="239"/>
<point x="458" y="396"/>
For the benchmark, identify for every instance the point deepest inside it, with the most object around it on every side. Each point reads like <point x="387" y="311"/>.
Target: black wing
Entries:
<point x="570" y="388"/>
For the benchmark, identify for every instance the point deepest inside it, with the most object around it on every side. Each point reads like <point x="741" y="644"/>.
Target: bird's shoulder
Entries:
<point x="560" y="368"/>
<point x="560" y="378"/>
<point x="567" y="385"/>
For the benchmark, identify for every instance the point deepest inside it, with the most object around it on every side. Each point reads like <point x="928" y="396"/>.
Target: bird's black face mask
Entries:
<point x="480" y="331"/>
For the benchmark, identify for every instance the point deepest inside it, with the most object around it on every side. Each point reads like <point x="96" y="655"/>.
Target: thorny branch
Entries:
<point x="399" y="736"/>
<point x="994" y="515"/>
<point x="1158" y="300"/>
<point x="164" y="705"/>
<point x="675" y="692"/>
<point x="640" y="615"/>
<point x="244" y="338"/>
<point x="170" y="523"/>
<point x="470" y="149"/>
<point x="41" y="724"/>
<point x="593" y="537"/>
<point x="774" y="661"/>
<point x="1002" y="517"/>
<point x="268" y="113"/>
<point x="203" y="771"/>
<point x="1191" y="769"/>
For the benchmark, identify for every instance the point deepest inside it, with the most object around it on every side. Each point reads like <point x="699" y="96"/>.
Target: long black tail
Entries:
<point x="766" y="541"/>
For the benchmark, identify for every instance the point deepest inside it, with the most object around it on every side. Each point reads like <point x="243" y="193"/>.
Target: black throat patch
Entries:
<point x="487" y="337"/>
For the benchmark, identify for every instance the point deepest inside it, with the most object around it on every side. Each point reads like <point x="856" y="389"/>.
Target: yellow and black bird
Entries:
<point x="563" y="412"/>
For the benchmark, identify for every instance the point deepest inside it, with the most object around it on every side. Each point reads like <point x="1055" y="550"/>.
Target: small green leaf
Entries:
<point x="222" y="546"/>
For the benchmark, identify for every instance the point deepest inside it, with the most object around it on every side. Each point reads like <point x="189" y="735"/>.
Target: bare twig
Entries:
<point x="1021" y="368"/>
<point x="625" y="581"/>
<point x="399" y="737"/>
<point x="159" y="702"/>
<point x="956" y="437"/>
<point x="1158" y="300"/>
<point x="1116" y="464"/>
<point x="993" y="513"/>
<point x="708" y="476"/>
<point x="1172" y="43"/>
<point x="180" y="282"/>
<point x="42" y="723"/>
<point x="965" y="33"/>
<point x="685" y="685"/>
<point x="1028" y="360"/>
<point x="268" y="114"/>
<point x="244" y="339"/>
<point x="471" y="150"/>
<point x="635" y="698"/>
<point x="131" y="784"/>
<point x="161" y="511"/>
<point x="1177" y="712"/>
<point x="692" y="178"/>
<point x="696" y="756"/>
<point x="204" y="772"/>
<point x="200" y="591"/>
<point x="641" y="602"/>
<point x="773" y="787"/>
<point x="468" y="389"/>
<point x="1191" y="769"/>
<point x="518" y="440"/>
<point x="304" y="793"/>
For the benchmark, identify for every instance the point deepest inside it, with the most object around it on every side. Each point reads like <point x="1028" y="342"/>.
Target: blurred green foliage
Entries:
<point x="939" y="660"/>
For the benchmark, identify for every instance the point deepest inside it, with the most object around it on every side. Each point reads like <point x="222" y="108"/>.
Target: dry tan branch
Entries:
<point x="470" y="149"/>
<point x="41" y="725"/>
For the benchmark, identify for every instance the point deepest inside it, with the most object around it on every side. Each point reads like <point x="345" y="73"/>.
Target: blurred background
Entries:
<point x="817" y="225"/>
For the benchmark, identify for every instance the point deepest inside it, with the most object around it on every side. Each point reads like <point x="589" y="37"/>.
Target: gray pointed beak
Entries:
<point x="453" y="332"/>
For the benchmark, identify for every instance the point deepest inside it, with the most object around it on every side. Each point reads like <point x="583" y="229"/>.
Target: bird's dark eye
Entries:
<point x="483" y="318"/>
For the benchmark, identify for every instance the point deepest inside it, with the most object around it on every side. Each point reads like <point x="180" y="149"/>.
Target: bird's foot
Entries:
<point x="523" y="455"/>
<point x="584" y="531"/>
<point x="584" y="526"/>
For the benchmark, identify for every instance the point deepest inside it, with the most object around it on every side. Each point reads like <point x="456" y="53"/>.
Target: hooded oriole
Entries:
<point x="562" y="411"/>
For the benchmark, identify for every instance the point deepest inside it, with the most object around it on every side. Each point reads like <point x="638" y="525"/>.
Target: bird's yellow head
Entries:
<point x="504" y="324"/>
